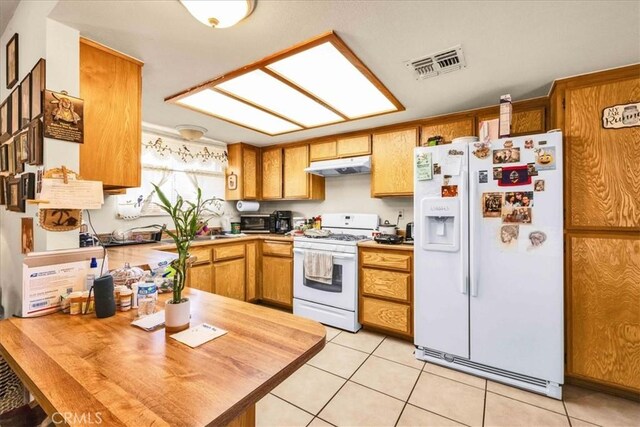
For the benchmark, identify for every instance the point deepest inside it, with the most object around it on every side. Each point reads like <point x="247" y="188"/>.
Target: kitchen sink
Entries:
<point x="203" y="238"/>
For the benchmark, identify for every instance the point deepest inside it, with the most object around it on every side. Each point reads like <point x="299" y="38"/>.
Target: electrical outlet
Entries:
<point x="401" y="214"/>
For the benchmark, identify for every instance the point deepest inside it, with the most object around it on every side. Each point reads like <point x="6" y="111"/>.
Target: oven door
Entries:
<point x="341" y="293"/>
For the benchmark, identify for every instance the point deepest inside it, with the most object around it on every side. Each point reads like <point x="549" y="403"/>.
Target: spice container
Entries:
<point x="125" y="299"/>
<point x="87" y="301"/>
<point x="75" y="303"/>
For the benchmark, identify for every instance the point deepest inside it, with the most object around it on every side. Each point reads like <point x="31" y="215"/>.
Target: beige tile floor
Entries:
<point x="368" y="379"/>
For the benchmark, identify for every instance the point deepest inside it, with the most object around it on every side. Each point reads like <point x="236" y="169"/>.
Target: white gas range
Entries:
<point x="333" y="302"/>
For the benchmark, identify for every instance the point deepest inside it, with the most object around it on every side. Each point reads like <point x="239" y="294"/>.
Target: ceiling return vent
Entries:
<point x="442" y="62"/>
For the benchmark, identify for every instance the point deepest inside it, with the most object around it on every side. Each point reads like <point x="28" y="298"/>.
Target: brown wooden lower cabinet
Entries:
<point x="603" y="304"/>
<point x="229" y="278"/>
<point x="386" y="290"/>
<point x="199" y="277"/>
<point x="251" y="257"/>
<point x="277" y="280"/>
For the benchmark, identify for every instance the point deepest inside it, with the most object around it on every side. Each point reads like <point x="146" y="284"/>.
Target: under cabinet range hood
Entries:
<point x="338" y="167"/>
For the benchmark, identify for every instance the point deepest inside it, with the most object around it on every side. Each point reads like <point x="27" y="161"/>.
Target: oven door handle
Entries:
<point x="345" y="256"/>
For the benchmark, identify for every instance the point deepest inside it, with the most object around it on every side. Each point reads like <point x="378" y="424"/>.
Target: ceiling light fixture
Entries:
<point x="219" y="13"/>
<point x="316" y="83"/>
<point x="191" y="132"/>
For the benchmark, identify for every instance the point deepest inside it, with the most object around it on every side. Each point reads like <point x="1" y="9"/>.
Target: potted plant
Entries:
<point x="188" y="219"/>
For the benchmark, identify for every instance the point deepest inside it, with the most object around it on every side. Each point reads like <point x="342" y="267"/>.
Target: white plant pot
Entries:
<point x="177" y="316"/>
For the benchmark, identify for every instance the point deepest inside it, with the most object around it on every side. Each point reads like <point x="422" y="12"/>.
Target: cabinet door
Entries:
<point x="524" y="122"/>
<point x="322" y="151"/>
<point x="272" y="173"/>
<point x="392" y="163"/>
<point x="229" y="278"/>
<point x="356" y="146"/>
<point x="111" y="86"/>
<point x="199" y="277"/>
<point x="277" y="280"/>
<point x="448" y="130"/>
<point x="603" y="308"/>
<point x="296" y="180"/>
<point x="249" y="173"/>
<point x="602" y="164"/>
<point x="252" y="273"/>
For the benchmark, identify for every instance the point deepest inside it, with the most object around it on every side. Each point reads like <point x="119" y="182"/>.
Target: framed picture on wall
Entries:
<point x="4" y="158"/>
<point x="5" y="120"/>
<point x="17" y="155"/>
<point x="12" y="61"/>
<point x="11" y="157"/>
<point x="15" y="202"/>
<point x="28" y="184"/>
<point x="25" y="101"/>
<point x="3" y="199"/>
<point x="15" y="111"/>
<point x="38" y="84"/>
<point x="35" y="142"/>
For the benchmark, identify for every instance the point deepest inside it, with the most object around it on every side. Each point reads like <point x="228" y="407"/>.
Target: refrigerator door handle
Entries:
<point x="473" y="253"/>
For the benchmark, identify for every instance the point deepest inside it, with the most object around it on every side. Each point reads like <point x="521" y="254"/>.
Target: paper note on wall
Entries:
<point x="75" y="194"/>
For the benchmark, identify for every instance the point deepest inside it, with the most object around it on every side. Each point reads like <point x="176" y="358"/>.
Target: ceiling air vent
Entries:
<point x="442" y="62"/>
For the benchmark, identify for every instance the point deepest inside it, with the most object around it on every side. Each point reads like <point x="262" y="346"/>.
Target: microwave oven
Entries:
<point x="255" y="223"/>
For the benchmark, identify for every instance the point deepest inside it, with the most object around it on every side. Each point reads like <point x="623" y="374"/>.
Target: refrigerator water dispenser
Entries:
<point x="441" y="224"/>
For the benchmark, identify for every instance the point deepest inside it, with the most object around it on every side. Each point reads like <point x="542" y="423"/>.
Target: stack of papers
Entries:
<point x="151" y="322"/>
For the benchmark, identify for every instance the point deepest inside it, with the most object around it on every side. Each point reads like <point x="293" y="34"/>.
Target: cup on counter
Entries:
<point x="235" y="228"/>
<point x="75" y="303"/>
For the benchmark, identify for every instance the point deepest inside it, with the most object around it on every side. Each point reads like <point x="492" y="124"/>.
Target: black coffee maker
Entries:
<point x="281" y="222"/>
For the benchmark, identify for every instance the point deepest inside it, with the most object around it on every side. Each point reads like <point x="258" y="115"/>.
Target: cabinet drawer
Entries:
<point x="274" y="247"/>
<point x="389" y="284"/>
<point x="383" y="259"/>
<point x="228" y="252"/>
<point x="203" y="255"/>
<point x="387" y="315"/>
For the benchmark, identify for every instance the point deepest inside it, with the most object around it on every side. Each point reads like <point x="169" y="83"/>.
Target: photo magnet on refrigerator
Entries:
<point x="483" y="177"/>
<point x="424" y="167"/>
<point x="546" y="158"/>
<point x="482" y="150"/>
<point x="437" y="170"/>
<point x="506" y="155"/>
<point x="497" y="173"/>
<point x="514" y="175"/>
<point x="517" y="215"/>
<point x="528" y="144"/>
<point x="449" y="191"/>
<point x="492" y="205"/>
<point x="531" y="168"/>
<point x="538" y="185"/>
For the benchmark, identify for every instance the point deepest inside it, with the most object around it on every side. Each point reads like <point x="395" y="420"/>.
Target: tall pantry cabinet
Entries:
<point x="602" y="229"/>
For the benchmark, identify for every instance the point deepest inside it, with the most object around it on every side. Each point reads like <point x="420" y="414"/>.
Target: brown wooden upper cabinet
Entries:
<point x="111" y="86"/>
<point x="447" y="128"/>
<point x="283" y="175"/>
<point x="244" y="163"/>
<point x="342" y="147"/>
<point x="525" y="120"/>
<point x="392" y="163"/>
<point x="272" y="173"/>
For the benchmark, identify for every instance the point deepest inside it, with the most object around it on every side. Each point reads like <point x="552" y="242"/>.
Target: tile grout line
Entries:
<point x="528" y="403"/>
<point x="293" y="404"/>
<point x="440" y="415"/>
<point x="484" y="406"/>
<point x="354" y="372"/>
<point x="406" y="402"/>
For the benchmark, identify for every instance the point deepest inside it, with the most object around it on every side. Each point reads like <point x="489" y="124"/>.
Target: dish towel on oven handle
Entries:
<point x="318" y="266"/>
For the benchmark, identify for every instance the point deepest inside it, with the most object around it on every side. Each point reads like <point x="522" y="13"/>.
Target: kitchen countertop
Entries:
<point x="86" y="366"/>
<point x="149" y="253"/>
<point x="375" y="245"/>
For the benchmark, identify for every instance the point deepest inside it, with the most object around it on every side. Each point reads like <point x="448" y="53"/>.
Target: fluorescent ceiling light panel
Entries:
<point x="259" y="88"/>
<point x="227" y="108"/>
<point x="327" y="74"/>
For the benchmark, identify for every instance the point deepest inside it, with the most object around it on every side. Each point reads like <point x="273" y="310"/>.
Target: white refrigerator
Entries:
<point x="488" y="259"/>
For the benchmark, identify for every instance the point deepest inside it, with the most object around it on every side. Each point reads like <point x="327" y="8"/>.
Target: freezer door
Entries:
<point x="441" y="307"/>
<point x="516" y="265"/>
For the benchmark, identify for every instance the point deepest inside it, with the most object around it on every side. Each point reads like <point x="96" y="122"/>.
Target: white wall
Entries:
<point x="39" y="37"/>
<point x="350" y="194"/>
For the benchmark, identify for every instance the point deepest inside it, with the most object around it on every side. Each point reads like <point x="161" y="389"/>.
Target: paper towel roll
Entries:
<point x="244" y="206"/>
